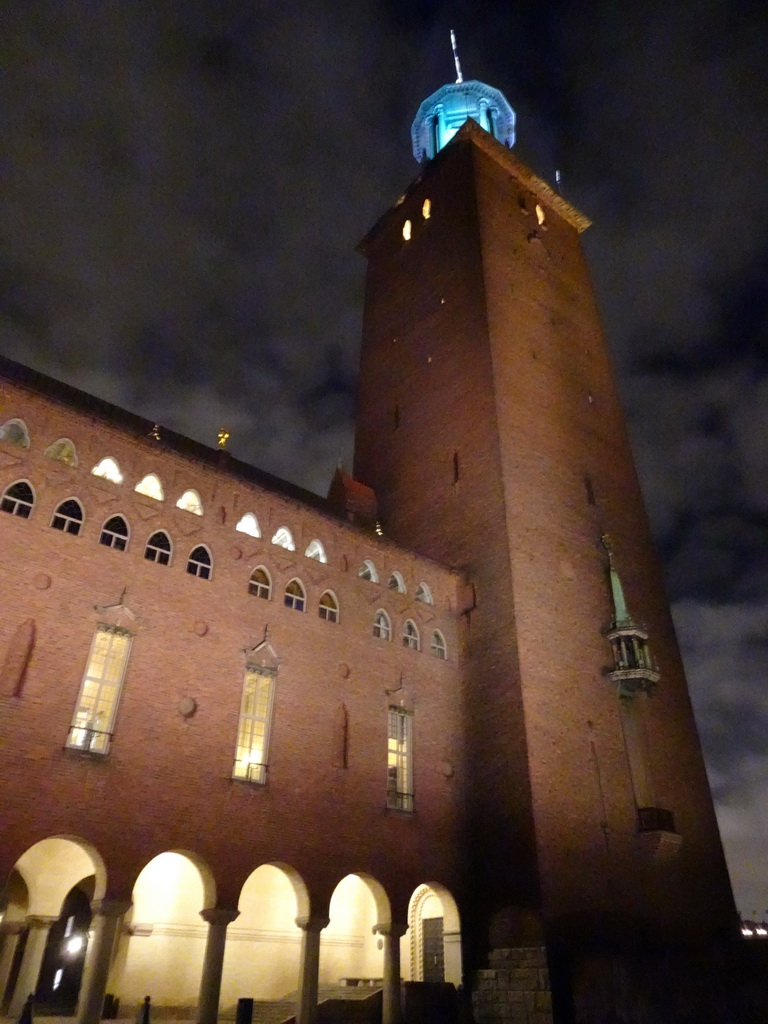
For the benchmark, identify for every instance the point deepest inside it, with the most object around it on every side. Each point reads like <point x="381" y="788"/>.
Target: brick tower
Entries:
<point x="490" y="428"/>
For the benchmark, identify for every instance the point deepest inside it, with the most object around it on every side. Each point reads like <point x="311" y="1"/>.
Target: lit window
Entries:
<point x="424" y="594"/>
<point x="294" y="596"/>
<point x="62" y="450"/>
<point x="254" y="726"/>
<point x="159" y="548"/>
<point x="316" y="551"/>
<point x="108" y="469"/>
<point x="396" y="582"/>
<point x="114" y="533"/>
<point x="199" y="562"/>
<point x="438" y="647"/>
<point x="382" y="627"/>
<point x="260" y="585"/>
<point x="249" y="524"/>
<point x="68" y="517"/>
<point x="367" y="571"/>
<point x="410" y="635"/>
<point x="190" y="502"/>
<point x="328" y="608"/>
<point x="18" y="499"/>
<point x="407" y="231"/>
<point x="399" y="760"/>
<point x="94" y="718"/>
<point x="15" y="432"/>
<point x="151" y="487"/>
<point x="426" y="209"/>
<point x="540" y="217"/>
<point x="283" y="539"/>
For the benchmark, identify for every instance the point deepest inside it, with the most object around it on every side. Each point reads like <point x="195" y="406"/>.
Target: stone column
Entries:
<point x="107" y="915"/>
<point x="10" y="931"/>
<point x="309" y="968"/>
<point x="217" y="920"/>
<point x="39" y="926"/>
<point x="391" y="1006"/>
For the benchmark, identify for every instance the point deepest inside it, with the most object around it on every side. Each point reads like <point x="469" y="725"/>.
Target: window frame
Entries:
<point x="246" y="726"/>
<point x="423" y="593"/>
<point x="155" y="497"/>
<point x="114" y="543"/>
<point x="82" y="735"/>
<point x="18" y="502"/>
<point x="284" y="534"/>
<point x="16" y="421"/>
<point x="438" y="647"/>
<point x="62" y="443"/>
<point x="331" y="611"/>
<point x="160" y="551"/>
<point x="254" y="589"/>
<point x="248" y="516"/>
<point x="190" y="501"/>
<point x="397" y="578"/>
<point x="293" y="601"/>
<point x="316" y="551"/>
<point x="118" y="476"/>
<point x="400" y="789"/>
<point x="62" y="521"/>
<point x="202" y="570"/>
<point x="411" y="637"/>
<point x="378" y="632"/>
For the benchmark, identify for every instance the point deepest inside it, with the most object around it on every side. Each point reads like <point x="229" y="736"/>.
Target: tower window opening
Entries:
<point x="64" y="451"/>
<point x="540" y="216"/>
<point x="199" y="563"/>
<point x="438" y="647"/>
<point x="382" y="627"/>
<point x="249" y="524"/>
<point x="108" y="469"/>
<point x="158" y="548"/>
<point x="490" y="121"/>
<point x="68" y="517"/>
<point x="411" y="636"/>
<point x="294" y="596"/>
<point x="407" y="228"/>
<point x="15" y="432"/>
<point x="252" y="751"/>
<point x="259" y="585"/>
<point x="316" y="550"/>
<point x="283" y="539"/>
<point x="426" y="209"/>
<point x="396" y="582"/>
<point x="18" y="499"/>
<point x="114" y="533"/>
<point x="190" y="502"/>
<point x="328" y="608"/>
<point x="151" y="487"/>
<point x="367" y="571"/>
<point x="400" y="760"/>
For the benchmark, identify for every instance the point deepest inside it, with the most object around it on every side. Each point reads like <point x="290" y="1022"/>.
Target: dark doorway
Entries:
<point x="61" y="972"/>
<point x="433" y="956"/>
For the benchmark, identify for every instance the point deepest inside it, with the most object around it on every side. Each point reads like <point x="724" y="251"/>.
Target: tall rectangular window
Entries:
<point x="255" y="722"/>
<point x="400" y="760"/>
<point x="94" y="718"/>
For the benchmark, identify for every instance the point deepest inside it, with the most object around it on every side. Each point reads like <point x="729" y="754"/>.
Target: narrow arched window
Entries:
<point x="15" y="432"/>
<point x="260" y="585"/>
<point x="328" y="608"/>
<point x="190" y="502"/>
<point x="316" y="550"/>
<point x="367" y="571"/>
<point x="423" y="594"/>
<point x="114" y="533"/>
<point x="283" y="539"/>
<point x="62" y="450"/>
<point x="438" y="648"/>
<point x="108" y="469"/>
<point x="150" y="486"/>
<point x="249" y="524"/>
<point x="410" y="635"/>
<point x="199" y="562"/>
<point x="68" y="517"/>
<point x="295" y="596"/>
<point x="396" y="582"/>
<point x="382" y="627"/>
<point x="18" y="499"/>
<point x="159" y="548"/>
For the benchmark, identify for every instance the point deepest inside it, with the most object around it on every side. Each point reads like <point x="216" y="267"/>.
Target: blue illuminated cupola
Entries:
<point x="442" y="114"/>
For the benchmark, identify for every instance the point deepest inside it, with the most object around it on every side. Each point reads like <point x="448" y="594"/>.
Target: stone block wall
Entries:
<point x="514" y="988"/>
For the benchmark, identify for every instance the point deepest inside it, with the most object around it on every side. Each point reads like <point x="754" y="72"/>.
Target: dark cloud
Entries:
<point x="182" y="186"/>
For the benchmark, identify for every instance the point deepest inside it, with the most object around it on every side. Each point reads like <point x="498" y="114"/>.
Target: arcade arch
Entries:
<point x="350" y="946"/>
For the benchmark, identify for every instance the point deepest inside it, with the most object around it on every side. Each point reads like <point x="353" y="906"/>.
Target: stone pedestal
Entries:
<point x="514" y="989"/>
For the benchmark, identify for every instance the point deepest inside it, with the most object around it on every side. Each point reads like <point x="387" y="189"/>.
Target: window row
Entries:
<point x="93" y="721"/>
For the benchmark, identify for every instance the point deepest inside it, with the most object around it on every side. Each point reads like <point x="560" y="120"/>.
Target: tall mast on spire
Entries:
<point x="459" y="76"/>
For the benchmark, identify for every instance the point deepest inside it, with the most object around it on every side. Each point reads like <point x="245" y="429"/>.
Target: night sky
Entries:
<point x="182" y="186"/>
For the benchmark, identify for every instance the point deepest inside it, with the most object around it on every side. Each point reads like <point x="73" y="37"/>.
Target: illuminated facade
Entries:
<point x="434" y="728"/>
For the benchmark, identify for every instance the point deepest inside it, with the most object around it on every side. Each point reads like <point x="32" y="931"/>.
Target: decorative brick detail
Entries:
<point x="514" y="989"/>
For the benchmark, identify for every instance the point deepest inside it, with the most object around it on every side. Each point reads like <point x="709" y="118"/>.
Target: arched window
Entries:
<point x="108" y="469"/>
<point x="396" y="582"/>
<point x="328" y="608"/>
<point x="190" y="502"/>
<point x="260" y="585"/>
<point x="62" y="450"/>
<point x="423" y="593"/>
<point x="18" y="499"/>
<point x="199" y="562"/>
<point x="283" y="539"/>
<point x="367" y="571"/>
<point x="68" y="517"/>
<point x="151" y="487"/>
<point x="249" y="524"/>
<point x="15" y="432"/>
<point x="159" y="548"/>
<point x="382" y="627"/>
<point x="410" y="635"/>
<point x="294" y="596"/>
<point x="317" y="551"/>
<point x="114" y="533"/>
<point x="438" y="648"/>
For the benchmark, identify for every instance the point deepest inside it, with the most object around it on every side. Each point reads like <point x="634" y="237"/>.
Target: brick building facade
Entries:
<point x="474" y="714"/>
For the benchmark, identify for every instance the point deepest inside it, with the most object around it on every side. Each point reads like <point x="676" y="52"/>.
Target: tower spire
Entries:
<point x="459" y="76"/>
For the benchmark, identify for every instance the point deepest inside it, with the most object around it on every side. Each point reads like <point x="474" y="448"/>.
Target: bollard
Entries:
<point x="244" y="1011"/>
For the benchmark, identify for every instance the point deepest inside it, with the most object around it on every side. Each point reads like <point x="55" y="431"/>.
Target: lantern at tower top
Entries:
<point x="442" y="114"/>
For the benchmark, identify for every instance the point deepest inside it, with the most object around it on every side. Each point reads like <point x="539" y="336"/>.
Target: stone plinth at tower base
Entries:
<point x="514" y="988"/>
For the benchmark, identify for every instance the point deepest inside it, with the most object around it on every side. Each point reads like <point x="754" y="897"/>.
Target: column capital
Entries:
<point x="40" y="920"/>
<point x="313" y="923"/>
<point x="12" y="927"/>
<point x="394" y="928"/>
<point x="111" y="908"/>
<point x="219" y="915"/>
